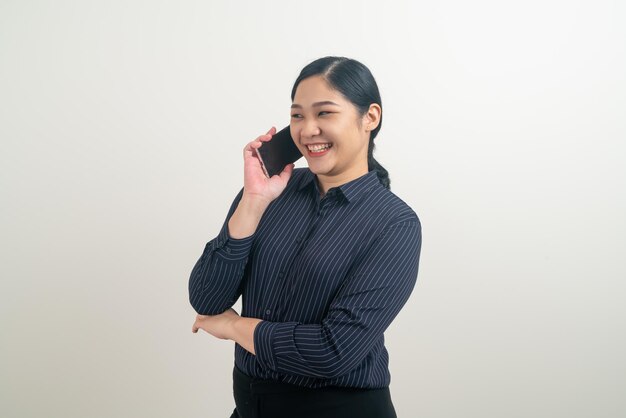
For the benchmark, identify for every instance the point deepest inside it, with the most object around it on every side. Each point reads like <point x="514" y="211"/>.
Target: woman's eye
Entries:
<point x="322" y="113"/>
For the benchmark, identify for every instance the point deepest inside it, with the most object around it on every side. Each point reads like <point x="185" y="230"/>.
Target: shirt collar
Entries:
<point x="350" y="190"/>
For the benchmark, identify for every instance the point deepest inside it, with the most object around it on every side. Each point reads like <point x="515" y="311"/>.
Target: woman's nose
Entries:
<point x="310" y="129"/>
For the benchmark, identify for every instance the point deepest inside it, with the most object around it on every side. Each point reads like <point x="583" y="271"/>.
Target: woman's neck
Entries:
<point x="325" y="183"/>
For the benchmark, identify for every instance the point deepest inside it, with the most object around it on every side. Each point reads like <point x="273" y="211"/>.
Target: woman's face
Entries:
<point x="322" y="117"/>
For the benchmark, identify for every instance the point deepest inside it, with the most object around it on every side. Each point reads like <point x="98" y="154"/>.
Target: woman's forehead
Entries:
<point x="316" y="91"/>
<point x="314" y="85"/>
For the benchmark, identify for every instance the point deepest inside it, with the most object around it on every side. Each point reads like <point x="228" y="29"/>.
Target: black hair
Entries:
<point x="356" y="83"/>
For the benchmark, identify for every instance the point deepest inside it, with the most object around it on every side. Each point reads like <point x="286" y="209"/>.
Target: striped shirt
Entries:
<point x="326" y="275"/>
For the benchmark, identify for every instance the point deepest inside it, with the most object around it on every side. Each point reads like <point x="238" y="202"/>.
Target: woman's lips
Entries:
<point x="318" y="154"/>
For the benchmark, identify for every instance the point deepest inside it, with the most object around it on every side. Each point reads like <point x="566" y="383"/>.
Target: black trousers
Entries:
<point x="256" y="398"/>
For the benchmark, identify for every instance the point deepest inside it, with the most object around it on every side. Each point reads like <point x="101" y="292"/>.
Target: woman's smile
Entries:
<point x="319" y="150"/>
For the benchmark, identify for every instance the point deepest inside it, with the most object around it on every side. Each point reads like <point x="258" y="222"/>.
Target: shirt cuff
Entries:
<point x="233" y="249"/>
<point x="269" y="335"/>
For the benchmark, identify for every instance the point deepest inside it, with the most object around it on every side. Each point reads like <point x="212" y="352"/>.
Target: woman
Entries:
<point x="324" y="258"/>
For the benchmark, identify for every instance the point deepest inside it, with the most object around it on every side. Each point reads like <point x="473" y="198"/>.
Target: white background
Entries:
<point x="122" y="125"/>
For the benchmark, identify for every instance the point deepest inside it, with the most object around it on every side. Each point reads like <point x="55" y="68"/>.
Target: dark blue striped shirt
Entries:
<point x="326" y="275"/>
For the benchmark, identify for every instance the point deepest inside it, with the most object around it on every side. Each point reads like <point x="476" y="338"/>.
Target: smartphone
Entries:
<point x="276" y="153"/>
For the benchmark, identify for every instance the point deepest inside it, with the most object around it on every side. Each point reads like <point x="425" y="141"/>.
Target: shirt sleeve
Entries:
<point x="369" y="300"/>
<point x="214" y="283"/>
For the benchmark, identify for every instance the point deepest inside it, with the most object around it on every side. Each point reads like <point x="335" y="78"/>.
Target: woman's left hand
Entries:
<point x="220" y="326"/>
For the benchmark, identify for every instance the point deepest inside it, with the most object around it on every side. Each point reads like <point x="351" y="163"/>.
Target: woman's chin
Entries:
<point x="319" y="164"/>
<point x="318" y="168"/>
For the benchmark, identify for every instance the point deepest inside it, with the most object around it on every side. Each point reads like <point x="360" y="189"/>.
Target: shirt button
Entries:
<point x="281" y="274"/>
<point x="269" y="311"/>
<point x="298" y="239"/>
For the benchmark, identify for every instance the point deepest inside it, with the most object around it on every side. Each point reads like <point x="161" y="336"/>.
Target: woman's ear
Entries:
<point x="371" y="118"/>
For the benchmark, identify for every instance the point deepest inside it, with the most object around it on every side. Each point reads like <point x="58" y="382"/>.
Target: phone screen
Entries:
<point x="279" y="151"/>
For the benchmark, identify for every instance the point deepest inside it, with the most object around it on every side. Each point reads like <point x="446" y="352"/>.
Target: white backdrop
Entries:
<point x="122" y="125"/>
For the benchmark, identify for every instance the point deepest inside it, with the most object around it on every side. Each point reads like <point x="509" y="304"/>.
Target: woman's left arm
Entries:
<point x="360" y="312"/>
<point x="371" y="298"/>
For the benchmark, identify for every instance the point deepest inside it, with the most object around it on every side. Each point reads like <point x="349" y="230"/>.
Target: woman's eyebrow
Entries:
<point x="325" y="102"/>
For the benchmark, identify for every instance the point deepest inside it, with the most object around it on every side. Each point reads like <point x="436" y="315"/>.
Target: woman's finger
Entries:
<point x="255" y="144"/>
<point x="265" y="137"/>
<point x="247" y="151"/>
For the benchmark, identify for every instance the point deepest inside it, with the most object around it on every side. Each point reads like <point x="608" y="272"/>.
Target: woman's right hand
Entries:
<point x="256" y="185"/>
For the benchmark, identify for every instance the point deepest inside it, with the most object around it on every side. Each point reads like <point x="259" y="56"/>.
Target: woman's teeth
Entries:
<point x="318" y="148"/>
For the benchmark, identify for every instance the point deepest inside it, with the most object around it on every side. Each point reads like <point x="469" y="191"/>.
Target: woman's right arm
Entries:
<point x="246" y="218"/>
<point x="215" y="281"/>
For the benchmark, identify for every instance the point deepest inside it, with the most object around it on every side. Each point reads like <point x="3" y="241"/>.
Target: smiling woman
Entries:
<point x="325" y="258"/>
<point x="337" y="117"/>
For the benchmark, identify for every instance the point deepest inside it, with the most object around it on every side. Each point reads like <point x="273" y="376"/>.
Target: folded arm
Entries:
<point x="215" y="280"/>
<point x="363" y="309"/>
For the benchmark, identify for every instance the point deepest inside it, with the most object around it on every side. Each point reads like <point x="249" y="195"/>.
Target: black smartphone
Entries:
<point x="276" y="153"/>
